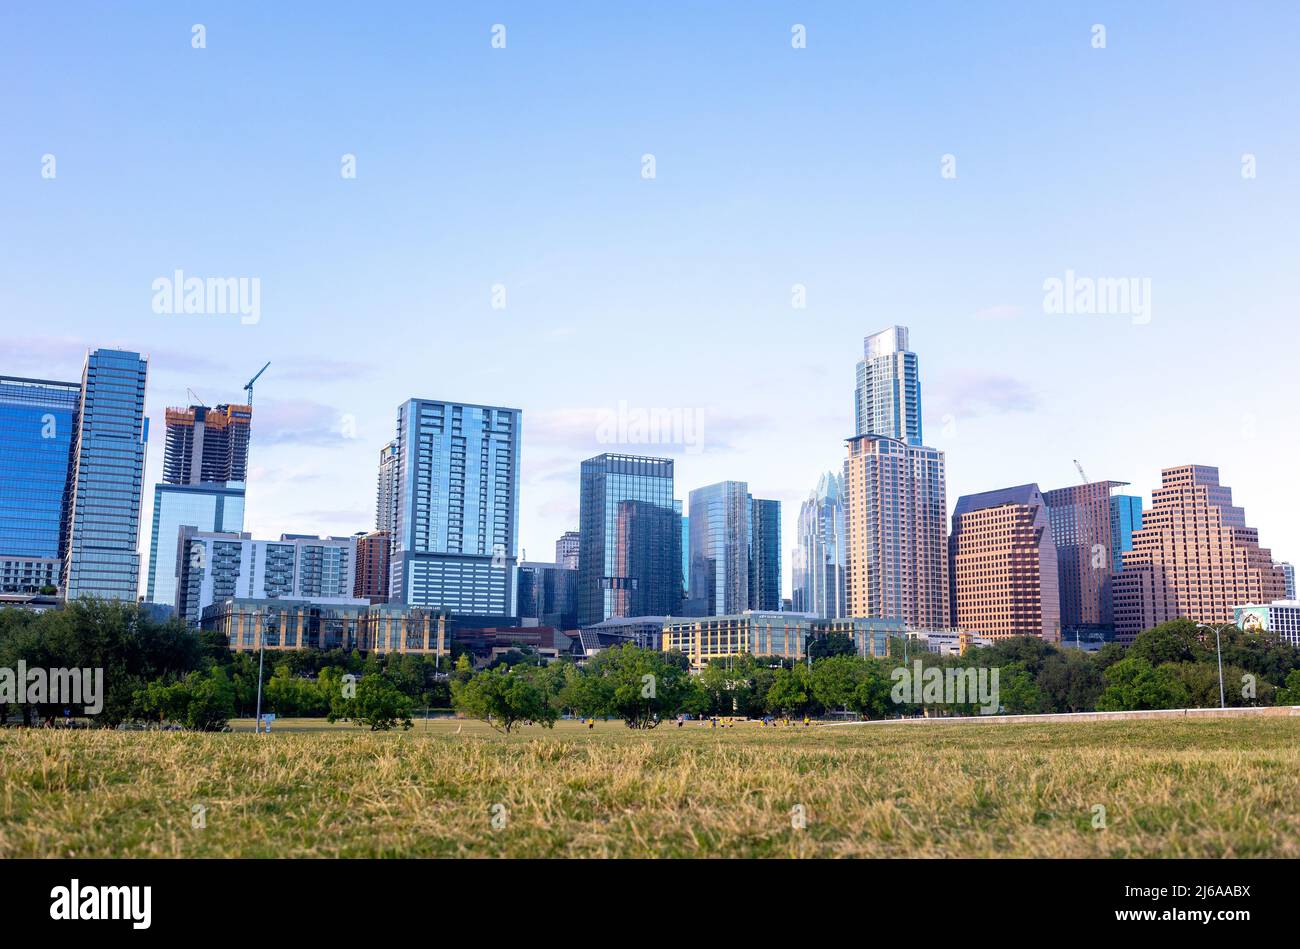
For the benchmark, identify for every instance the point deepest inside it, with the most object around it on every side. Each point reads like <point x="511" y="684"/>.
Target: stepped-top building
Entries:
<point x="1193" y="557"/>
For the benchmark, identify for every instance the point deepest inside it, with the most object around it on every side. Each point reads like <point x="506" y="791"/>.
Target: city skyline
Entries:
<point x="756" y="191"/>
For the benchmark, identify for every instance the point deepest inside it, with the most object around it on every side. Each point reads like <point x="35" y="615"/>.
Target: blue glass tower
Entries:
<point x="764" y="554"/>
<point x="35" y="451"/>
<point x="107" y="473"/>
<point x="629" y="547"/>
<point x="206" y="508"/>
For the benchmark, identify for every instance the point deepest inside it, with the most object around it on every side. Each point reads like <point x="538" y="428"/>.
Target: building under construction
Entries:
<point x="207" y="445"/>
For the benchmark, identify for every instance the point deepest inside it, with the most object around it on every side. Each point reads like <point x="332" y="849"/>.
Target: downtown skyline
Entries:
<point x="370" y="286"/>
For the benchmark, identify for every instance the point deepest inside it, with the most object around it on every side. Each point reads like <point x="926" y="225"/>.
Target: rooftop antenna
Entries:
<point x="249" y="387"/>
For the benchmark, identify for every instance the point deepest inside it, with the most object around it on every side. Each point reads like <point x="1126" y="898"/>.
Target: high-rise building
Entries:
<point x="1003" y="565"/>
<point x="566" y="550"/>
<point x="389" y="489"/>
<point x="720" y="547"/>
<point x="821" y="557"/>
<point x="1281" y="618"/>
<point x="207" y="445"/>
<point x="1288" y="578"/>
<point x="896" y="519"/>
<point x="204" y="507"/>
<point x="1092" y="526"/>
<point x="106" y="478"/>
<point x="455" y="536"/>
<point x="888" y="395"/>
<point x="371" y="555"/>
<point x="764" y="555"/>
<point x="1193" y="557"/>
<point x="624" y="551"/>
<point x="36" y="418"/>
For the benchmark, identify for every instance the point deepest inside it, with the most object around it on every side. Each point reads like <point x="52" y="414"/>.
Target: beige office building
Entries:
<point x="896" y="523"/>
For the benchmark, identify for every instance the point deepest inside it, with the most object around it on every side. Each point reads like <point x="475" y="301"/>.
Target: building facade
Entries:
<point x="36" y="418"/>
<point x="1288" y="579"/>
<point x="1003" y="565"/>
<point x="106" y="479"/>
<point x="371" y="573"/>
<point x="207" y="508"/>
<point x="720" y="548"/>
<point x="548" y="595"/>
<point x="821" y="555"/>
<point x="566" y="550"/>
<point x="1281" y="618"/>
<point x="215" y="567"/>
<point x="764" y="555"/>
<point x="896" y="527"/>
<point x="759" y="633"/>
<point x="1193" y="557"/>
<point x="455" y="536"/>
<point x="629" y="547"/>
<point x="286" y="624"/>
<point x="1092" y="527"/>
<point x="207" y="445"/>
<point x="888" y="394"/>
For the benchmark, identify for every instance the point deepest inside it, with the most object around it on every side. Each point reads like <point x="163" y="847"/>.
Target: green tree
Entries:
<point x="505" y="697"/>
<point x="1133" y="683"/>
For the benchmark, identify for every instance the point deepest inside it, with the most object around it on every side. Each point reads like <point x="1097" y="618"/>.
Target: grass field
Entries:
<point x="1169" y="788"/>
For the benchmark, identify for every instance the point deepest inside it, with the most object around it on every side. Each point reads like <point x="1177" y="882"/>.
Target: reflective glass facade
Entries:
<point x="764" y="554"/>
<point x="457" y="511"/>
<point x="821" y="557"/>
<point x="720" y="539"/>
<point x="35" y="451"/>
<point x="888" y="396"/>
<point x="205" y="507"/>
<point x="629" y="554"/>
<point x="108" y="445"/>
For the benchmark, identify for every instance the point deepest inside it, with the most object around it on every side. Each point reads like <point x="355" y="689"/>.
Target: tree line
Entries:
<point x="163" y="673"/>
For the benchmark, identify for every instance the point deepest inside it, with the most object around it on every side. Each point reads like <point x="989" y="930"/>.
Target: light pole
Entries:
<point x="261" y="653"/>
<point x="1219" y="649"/>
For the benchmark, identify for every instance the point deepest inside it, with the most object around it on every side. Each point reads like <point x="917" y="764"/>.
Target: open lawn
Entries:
<point x="1227" y="787"/>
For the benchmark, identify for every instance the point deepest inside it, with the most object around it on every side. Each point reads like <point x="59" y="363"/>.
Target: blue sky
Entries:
<point x="774" y="166"/>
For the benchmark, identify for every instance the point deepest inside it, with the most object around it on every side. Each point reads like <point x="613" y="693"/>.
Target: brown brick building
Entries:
<point x="1003" y="565"/>
<point x="1194" y="557"/>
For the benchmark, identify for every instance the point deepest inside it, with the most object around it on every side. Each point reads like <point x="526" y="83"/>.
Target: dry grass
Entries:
<point x="1185" y="788"/>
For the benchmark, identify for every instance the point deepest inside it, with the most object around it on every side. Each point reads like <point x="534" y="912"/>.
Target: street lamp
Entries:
<point x="1219" y="649"/>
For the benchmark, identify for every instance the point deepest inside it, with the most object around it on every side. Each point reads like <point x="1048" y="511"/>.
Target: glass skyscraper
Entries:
<point x="720" y="539"/>
<point x="457" y="509"/>
<point x="764" y="554"/>
<point x="35" y="453"/>
<point x="205" y="507"/>
<point x="106" y="482"/>
<point x="888" y="395"/>
<point x="629" y="547"/>
<point x="820" y="558"/>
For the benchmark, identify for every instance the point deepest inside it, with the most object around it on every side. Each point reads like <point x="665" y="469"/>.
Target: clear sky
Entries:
<point x="774" y="166"/>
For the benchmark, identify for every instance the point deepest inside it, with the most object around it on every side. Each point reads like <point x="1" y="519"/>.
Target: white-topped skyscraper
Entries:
<point x="896" y="511"/>
<point x="888" y="395"/>
<point x="457" y="512"/>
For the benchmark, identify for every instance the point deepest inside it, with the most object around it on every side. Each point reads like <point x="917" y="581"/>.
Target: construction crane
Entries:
<point x="249" y="388"/>
<point x="1079" y="467"/>
<point x="194" y="398"/>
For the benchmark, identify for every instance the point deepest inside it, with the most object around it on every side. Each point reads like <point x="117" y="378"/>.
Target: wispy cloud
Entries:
<point x="975" y="394"/>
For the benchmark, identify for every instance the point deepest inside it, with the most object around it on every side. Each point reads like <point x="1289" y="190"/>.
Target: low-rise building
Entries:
<point x="784" y="635"/>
